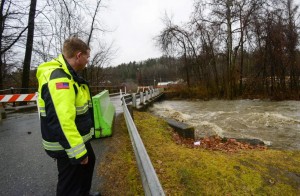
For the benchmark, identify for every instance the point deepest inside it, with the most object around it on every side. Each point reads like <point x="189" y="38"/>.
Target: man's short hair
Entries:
<point x="74" y="45"/>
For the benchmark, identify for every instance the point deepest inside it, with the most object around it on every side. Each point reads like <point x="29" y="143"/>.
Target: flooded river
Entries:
<point x="275" y="123"/>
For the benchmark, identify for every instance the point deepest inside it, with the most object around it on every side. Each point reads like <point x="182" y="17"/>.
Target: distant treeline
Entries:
<point x="153" y="71"/>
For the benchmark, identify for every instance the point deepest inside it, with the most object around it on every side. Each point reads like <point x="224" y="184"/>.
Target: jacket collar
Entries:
<point x="73" y="73"/>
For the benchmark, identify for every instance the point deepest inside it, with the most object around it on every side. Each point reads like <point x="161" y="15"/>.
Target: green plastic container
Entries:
<point x="104" y="112"/>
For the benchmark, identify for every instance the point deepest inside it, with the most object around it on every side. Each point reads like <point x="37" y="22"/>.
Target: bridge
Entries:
<point x="27" y="170"/>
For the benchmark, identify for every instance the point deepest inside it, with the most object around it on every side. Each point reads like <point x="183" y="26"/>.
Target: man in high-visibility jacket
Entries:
<point x="66" y="117"/>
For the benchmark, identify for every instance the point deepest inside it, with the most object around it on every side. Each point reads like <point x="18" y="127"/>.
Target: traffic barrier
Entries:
<point x="18" y="97"/>
<point x="12" y="98"/>
<point x="104" y="112"/>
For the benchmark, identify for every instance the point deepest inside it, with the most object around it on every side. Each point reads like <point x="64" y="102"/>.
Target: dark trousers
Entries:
<point x="75" y="180"/>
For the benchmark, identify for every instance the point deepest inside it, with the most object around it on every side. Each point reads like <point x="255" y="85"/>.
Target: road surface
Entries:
<point x="25" y="167"/>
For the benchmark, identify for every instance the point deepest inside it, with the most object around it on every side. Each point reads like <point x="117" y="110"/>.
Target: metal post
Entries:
<point x="133" y="100"/>
<point x="141" y="98"/>
<point x="121" y="94"/>
<point x="2" y="111"/>
<point x="130" y="109"/>
<point x="147" y="98"/>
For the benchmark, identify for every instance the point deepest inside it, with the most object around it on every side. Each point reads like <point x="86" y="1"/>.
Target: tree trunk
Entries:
<point x="242" y="58"/>
<point x="1" y="34"/>
<point x="229" y="51"/>
<point x="214" y="62"/>
<point x="187" y="70"/>
<point x="29" y="46"/>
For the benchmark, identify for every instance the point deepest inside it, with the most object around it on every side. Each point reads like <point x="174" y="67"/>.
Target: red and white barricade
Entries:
<point x="18" y="97"/>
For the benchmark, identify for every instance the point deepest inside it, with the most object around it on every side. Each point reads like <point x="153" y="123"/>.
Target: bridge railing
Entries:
<point x="142" y="98"/>
<point x="151" y="184"/>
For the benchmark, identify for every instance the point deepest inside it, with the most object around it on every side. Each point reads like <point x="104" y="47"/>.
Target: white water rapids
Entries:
<point x="275" y="123"/>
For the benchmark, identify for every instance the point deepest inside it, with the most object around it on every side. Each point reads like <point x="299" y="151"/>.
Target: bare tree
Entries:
<point x="94" y="20"/>
<point x="176" y="39"/>
<point x="207" y="32"/>
<point x="100" y="59"/>
<point x="292" y="41"/>
<point x="11" y="30"/>
<point x="246" y="9"/>
<point x="60" y="20"/>
<point x="66" y="18"/>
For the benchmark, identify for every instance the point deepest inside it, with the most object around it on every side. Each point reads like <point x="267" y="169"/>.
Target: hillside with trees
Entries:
<point x="232" y="48"/>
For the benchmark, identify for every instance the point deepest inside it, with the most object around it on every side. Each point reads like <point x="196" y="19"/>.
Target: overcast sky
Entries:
<point x="137" y="22"/>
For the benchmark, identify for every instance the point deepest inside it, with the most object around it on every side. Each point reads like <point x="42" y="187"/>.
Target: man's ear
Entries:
<point x="78" y="55"/>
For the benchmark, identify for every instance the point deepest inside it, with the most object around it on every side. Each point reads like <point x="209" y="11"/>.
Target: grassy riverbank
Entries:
<point x="193" y="171"/>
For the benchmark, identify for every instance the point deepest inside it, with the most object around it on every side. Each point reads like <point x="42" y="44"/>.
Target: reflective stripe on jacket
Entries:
<point x="65" y="109"/>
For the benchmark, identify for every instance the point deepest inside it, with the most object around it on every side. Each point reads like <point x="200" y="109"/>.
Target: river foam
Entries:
<point x="275" y="123"/>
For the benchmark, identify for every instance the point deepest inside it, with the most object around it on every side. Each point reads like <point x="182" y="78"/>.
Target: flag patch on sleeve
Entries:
<point x="62" y="85"/>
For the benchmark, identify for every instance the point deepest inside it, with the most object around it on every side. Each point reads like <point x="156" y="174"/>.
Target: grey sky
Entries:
<point x="136" y="22"/>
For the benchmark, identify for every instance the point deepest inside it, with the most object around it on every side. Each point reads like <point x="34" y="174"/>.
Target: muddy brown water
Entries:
<point x="275" y="123"/>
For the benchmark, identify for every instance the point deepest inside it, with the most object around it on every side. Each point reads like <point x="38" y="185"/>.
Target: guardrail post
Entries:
<point x="141" y="98"/>
<point x="147" y="98"/>
<point x="130" y="109"/>
<point x="121" y="94"/>
<point x="133" y="100"/>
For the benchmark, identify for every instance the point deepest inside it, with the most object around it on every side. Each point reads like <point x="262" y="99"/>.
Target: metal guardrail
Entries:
<point x="150" y="180"/>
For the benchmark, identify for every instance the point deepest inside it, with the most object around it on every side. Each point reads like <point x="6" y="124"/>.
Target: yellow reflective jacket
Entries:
<point x="65" y="107"/>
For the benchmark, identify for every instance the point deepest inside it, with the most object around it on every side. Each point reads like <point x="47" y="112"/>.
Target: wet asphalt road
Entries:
<point x="25" y="167"/>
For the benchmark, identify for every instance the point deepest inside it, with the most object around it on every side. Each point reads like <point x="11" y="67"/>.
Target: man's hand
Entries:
<point x="84" y="161"/>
